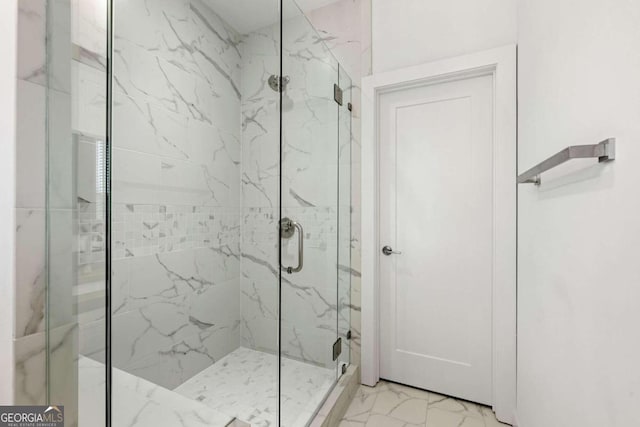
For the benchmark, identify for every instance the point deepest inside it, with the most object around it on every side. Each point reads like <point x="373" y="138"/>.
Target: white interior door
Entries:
<point x="436" y="208"/>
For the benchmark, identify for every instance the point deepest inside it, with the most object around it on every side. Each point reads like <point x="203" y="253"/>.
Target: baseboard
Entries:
<point x="516" y="423"/>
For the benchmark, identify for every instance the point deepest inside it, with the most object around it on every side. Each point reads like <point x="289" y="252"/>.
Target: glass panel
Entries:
<point x="196" y="180"/>
<point x="310" y="153"/>
<point x="344" y="221"/>
<point x="75" y="214"/>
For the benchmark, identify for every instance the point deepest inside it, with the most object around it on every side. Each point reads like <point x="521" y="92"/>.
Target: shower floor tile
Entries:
<point x="244" y="384"/>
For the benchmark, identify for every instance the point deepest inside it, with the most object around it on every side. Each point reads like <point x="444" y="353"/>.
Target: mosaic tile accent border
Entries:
<point x="140" y="230"/>
<point x="151" y="229"/>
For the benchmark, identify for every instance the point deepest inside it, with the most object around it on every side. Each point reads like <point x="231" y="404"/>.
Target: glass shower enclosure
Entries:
<point x="198" y="213"/>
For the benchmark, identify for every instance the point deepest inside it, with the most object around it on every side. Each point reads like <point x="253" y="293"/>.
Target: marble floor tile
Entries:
<point x="377" y="420"/>
<point x="361" y="404"/>
<point x="404" y="403"/>
<point x="389" y="405"/>
<point x="462" y="407"/>
<point x="441" y="418"/>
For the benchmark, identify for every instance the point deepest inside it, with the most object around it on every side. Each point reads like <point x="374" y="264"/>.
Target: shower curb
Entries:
<point x="339" y="399"/>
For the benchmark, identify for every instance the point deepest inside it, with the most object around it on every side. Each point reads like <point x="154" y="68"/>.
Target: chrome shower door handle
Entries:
<point x="287" y="229"/>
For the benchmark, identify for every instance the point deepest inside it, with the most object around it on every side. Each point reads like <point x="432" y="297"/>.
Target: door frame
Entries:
<point x="501" y="63"/>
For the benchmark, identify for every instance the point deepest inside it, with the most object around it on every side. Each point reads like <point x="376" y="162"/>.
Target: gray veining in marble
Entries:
<point x="244" y="384"/>
<point x="196" y="190"/>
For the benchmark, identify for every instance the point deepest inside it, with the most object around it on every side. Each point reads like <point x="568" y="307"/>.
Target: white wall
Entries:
<point x="579" y="234"/>
<point x="411" y="32"/>
<point x="8" y="24"/>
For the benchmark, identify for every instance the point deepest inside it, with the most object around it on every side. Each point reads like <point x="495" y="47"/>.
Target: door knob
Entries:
<point x="387" y="250"/>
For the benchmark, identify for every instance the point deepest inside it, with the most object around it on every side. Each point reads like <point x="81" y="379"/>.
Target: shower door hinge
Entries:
<point x="337" y="94"/>
<point x="337" y="348"/>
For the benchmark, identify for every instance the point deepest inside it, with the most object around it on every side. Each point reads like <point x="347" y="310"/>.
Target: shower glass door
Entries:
<point x="196" y="253"/>
<point x="311" y="347"/>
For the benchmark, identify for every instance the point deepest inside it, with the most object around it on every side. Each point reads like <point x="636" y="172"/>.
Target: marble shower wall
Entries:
<point x="260" y="172"/>
<point x="176" y="186"/>
<point x="45" y="209"/>
<point x="317" y="154"/>
<point x="195" y="164"/>
<point x="308" y="184"/>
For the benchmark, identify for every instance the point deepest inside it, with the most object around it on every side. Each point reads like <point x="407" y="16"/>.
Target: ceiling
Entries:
<point x="249" y="15"/>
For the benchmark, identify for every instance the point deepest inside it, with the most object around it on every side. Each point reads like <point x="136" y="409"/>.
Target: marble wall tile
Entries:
<point x="310" y="172"/>
<point x="30" y="369"/>
<point x="221" y="339"/>
<point x="261" y="42"/>
<point x="30" y="274"/>
<point x="308" y="343"/>
<point x="30" y="145"/>
<point x="88" y="103"/>
<point x="161" y="27"/>
<point x="259" y="333"/>
<point x="32" y="50"/>
<point x="62" y="267"/>
<point x="339" y="26"/>
<point x="259" y="278"/>
<point x="207" y="142"/>
<point x="173" y="356"/>
<point x="146" y="77"/>
<point x="260" y="146"/>
<point x="182" y="183"/>
<point x="59" y="48"/>
<point x="63" y="373"/>
<point x="61" y="172"/>
<point x="168" y="277"/>
<point x="140" y="333"/>
<point x="207" y="305"/>
<point x="135" y="126"/>
<point x="170" y="368"/>
<point x="135" y="177"/>
<point x="89" y="25"/>
<point x="257" y="67"/>
<point x="181" y="313"/>
<point x="216" y="49"/>
<point x="310" y="180"/>
<point x="91" y="341"/>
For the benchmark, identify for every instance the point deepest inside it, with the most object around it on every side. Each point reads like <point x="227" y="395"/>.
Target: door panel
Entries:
<point x="310" y="197"/>
<point x="436" y="208"/>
